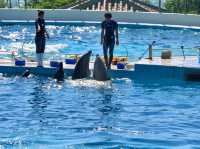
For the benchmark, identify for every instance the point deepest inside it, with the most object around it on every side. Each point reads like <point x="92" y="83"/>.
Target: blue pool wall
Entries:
<point x="160" y="72"/>
<point x="142" y="72"/>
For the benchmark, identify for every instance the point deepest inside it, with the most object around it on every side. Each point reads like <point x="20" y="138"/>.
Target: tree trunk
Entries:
<point x="25" y="4"/>
<point x="159" y="5"/>
<point x="10" y="3"/>
<point x="198" y="7"/>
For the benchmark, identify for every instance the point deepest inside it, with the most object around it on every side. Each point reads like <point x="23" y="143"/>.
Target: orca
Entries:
<point x="100" y="72"/>
<point x="81" y="69"/>
<point x="26" y="73"/>
<point x="59" y="75"/>
<point x="193" y="77"/>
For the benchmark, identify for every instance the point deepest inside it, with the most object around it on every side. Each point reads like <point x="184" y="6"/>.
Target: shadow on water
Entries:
<point x="39" y="101"/>
<point x="102" y="98"/>
<point x="106" y="100"/>
<point x="108" y="108"/>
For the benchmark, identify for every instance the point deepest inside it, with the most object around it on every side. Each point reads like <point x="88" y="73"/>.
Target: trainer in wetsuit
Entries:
<point x="40" y="38"/>
<point x="109" y="37"/>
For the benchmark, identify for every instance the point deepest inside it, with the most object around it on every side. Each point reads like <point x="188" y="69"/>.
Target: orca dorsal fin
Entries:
<point x="59" y="75"/>
<point x="81" y="69"/>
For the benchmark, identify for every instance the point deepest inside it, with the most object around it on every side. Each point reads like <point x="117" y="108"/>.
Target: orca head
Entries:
<point x="81" y="69"/>
<point x="100" y="72"/>
<point x="26" y="73"/>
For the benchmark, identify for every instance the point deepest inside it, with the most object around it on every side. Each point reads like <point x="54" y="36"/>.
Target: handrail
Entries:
<point x="74" y="4"/>
<point x="135" y="3"/>
<point x="151" y="49"/>
<point x="151" y="6"/>
<point x="160" y="49"/>
<point x="182" y="48"/>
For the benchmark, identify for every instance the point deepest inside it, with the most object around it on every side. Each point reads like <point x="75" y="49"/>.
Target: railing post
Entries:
<point x="182" y="48"/>
<point x="151" y="50"/>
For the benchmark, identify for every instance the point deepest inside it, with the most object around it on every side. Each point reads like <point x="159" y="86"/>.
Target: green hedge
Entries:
<point x="2" y="4"/>
<point x="183" y="6"/>
<point x="50" y="4"/>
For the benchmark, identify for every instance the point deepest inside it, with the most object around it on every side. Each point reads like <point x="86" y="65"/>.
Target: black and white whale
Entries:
<point x="100" y="72"/>
<point x="82" y="67"/>
<point x="26" y="73"/>
<point x="59" y="75"/>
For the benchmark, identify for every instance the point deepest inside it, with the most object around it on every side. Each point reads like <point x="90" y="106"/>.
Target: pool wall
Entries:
<point x="96" y="16"/>
<point x="161" y="72"/>
<point x="50" y="71"/>
<point x="156" y="73"/>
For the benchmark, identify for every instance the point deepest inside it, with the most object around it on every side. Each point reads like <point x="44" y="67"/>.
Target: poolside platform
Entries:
<point x="176" y="68"/>
<point x="8" y="67"/>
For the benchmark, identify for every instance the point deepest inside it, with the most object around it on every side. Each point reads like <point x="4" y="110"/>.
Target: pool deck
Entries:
<point x="8" y="67"/>
<point x="189" y="61"/>
<point x="145" y="69"/>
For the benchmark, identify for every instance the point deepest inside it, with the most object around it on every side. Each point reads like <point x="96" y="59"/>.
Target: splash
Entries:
<point x="14" y="36"/>
<point x="30" y="47"/>
<point x="90" y="83"/>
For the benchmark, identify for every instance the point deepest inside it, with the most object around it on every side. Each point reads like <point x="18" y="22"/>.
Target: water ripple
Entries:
<point x="39" y="113"/>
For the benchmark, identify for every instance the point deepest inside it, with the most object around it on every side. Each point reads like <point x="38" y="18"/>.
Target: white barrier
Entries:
<point x="84" y="15"/>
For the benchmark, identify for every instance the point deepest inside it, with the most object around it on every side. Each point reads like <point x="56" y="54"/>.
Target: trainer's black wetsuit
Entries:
<point x="40" y="39"/>
<point x="109" y="38"/>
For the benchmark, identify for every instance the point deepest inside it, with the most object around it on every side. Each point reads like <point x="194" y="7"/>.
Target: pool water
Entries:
<point x="77" y="39"/>
<point x="38" y="113"/>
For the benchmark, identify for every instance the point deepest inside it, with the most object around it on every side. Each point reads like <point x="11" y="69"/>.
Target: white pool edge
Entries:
<point x="97" y="16"/>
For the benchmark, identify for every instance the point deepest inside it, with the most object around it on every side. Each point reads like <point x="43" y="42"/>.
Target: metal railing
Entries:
<point x="182" y="50"/>
<point x="84" y="4"/>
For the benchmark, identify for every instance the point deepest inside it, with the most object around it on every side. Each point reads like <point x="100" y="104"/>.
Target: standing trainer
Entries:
<point x="109" y="37"/>
<point x="40" y="38"/>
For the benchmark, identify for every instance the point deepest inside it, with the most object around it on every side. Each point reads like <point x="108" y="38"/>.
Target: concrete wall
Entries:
<point x="84" y="15"/>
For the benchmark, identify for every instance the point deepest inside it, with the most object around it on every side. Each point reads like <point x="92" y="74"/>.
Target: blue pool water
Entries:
<point x="38" y="113"/>
<point x="70" y="39"/>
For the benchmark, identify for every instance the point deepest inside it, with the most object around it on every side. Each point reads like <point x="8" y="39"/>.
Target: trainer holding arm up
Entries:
<point x="109" y="37"/>
<point x="40" y="38"/>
